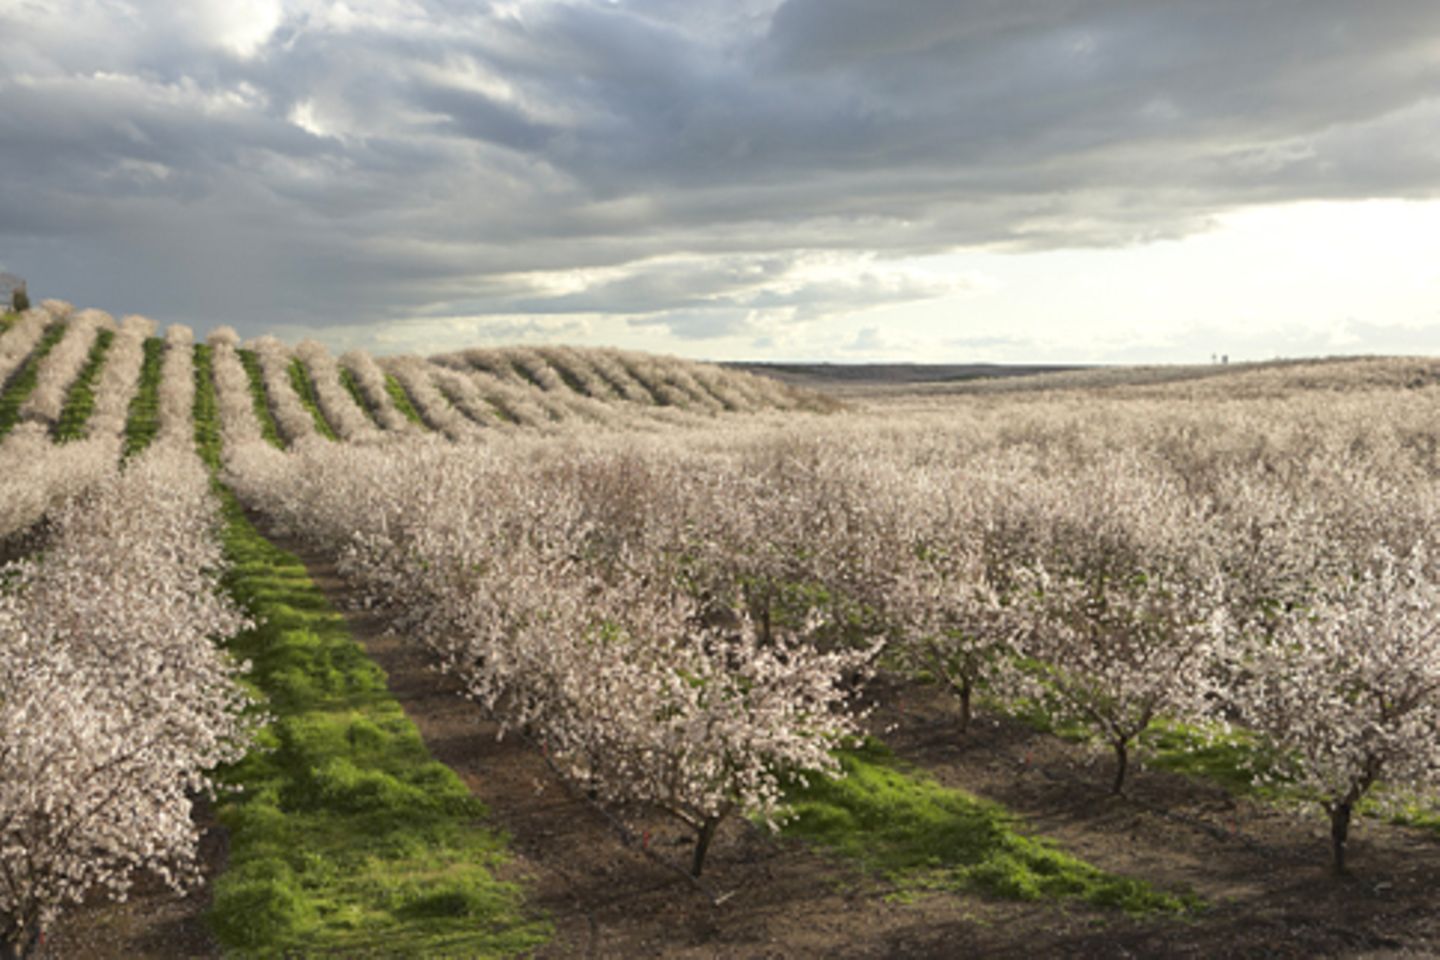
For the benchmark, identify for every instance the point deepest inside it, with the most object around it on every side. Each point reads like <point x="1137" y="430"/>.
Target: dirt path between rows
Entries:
<point x="1264" y="871"/>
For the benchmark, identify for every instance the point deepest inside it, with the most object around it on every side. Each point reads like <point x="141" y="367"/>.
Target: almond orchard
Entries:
<point x="692" y="591"/>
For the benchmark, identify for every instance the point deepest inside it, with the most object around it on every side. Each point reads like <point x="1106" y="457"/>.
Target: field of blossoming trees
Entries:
<point x="691" y="591"/>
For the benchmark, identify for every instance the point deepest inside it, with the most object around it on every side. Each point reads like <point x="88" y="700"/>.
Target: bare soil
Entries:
<point x="1264" y="871"/>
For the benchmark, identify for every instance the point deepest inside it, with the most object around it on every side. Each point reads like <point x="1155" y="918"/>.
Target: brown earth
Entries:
<point x="1264" y="871"/>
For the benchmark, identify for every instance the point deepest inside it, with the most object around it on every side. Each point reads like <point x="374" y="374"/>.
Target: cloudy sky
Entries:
<point x="1004" y="180"/>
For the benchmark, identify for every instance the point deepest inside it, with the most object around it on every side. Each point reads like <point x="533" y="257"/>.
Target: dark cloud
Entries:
<point x="315" y="164"/>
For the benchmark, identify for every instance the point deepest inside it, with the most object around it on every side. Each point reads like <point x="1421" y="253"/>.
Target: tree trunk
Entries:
<point x="702" y="844"/>
<point x="1339" y="831"/>
<point x="20" y="942"/>
<point x="965" y="690"/>
<point x="1122" y="763"/>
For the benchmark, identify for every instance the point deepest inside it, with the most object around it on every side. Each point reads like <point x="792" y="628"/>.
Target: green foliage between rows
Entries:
<point x="300" y="380"/>
<point x="1425" y="815"/>
<point x="1233" y="759"/>
<point x="206" y="410"/>
<point x="143" y="420"/>
<point x="23" y="383"/>
<point x="922" y="836"/>
<point x="1242" y="765"/>
<point x="352" y="386"/>
<point x="80" y="398"/>
<point x="402" y="401"/>
<point x="348" y="839"/>
<point x="260" y="399"/>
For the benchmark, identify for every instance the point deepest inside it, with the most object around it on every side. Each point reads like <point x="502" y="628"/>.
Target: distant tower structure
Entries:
<point x="1224" y="358"/>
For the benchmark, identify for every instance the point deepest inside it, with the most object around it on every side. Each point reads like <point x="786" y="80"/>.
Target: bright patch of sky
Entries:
<point x="1304" y="279"/>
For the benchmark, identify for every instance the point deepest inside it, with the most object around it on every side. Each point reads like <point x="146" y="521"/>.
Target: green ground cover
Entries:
<point x="1236" y="760"/>
<point x="260" y="399"/>
<point x="346" y="839"/>
<point x="80" y="397"/>
<point x="402" y="401"/>
<point x="143" y="421"/>
<point x="206" y="411"/>
<point x="352" y="386"/>
<point x="23" y="383"/>
<point x="921" y="836"/>
<point x="300" y="380"/>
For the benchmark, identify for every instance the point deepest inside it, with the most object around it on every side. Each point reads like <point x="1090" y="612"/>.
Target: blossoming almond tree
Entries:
<point x="40" y="475"/>
<point x="1116" y="652"/>
<point x="432" y="405"/>
<point x="177" y="385"/>
<point x="236" y="407"/>
<point x="369" y="380"/>
<point x="17" y="342"/>
<point x="294" y="421"/>
<point x="640" y="705"/>
<point x="339" y="408"/>
<point x="1126" y="615"/>
<point x="1348" y="690"/>
<point x="955" y="577"/>
<point x="120" y="377"/>
<point x="62" y="365"/>
<point x="114" y="701"/>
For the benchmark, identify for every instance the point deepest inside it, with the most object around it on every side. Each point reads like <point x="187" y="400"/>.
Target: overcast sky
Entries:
<point x="944" y="180"/>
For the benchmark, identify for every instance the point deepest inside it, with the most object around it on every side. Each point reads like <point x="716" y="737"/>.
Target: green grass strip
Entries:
<point x="1233" y="759"/>
<point x="80" y="398"/>
<point x="402" y="401"/>
<point x="143" y="420"/>
<point x="347" y="379"/>
<point x="347" y="840"/>
<point x="23" y="383"/>
<point x="1237" y="761"/>
<point x="1421" y="813"/>
<point x="205" y="412"/>
<point x="8" y="319"/>
<point x="260" y="398"/>
<point x="922" y="836"/>
<point x="300" y="380"/>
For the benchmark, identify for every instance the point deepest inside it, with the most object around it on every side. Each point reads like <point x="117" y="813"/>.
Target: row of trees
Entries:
<point x="62" y="365"/>
<point x="1215" y="569"/>
<point x="20" y="339"/>
<point x="115" y="701"/>
<point x="466" y="397"/>
<point x="640" y="689"/>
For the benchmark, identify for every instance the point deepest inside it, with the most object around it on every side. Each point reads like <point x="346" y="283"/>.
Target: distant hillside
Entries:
<point x="819" y="375"/>
<point x="1211" y="380"/>
<point x="879" y="381"/>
